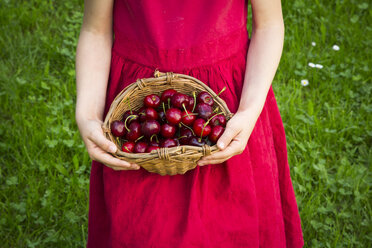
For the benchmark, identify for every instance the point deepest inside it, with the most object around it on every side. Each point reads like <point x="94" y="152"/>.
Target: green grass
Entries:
<point x="44" y="168"/>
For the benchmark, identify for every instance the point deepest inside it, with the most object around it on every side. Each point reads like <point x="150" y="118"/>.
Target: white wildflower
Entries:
<point x="311" y="64"/>
<point x="313" y="43"/>
<point x="319" y="66"/>
<point x="335" y="47"/>
<point x="304" y="82"/>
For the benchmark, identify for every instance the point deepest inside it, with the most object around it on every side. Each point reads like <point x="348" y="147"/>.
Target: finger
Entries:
<point x="231" y="150"/>
<point x="216" y="161"/>
<point x="132" y="167"/>
<point x="120" y="168"/>
<point x="105" y="144"/>
<point x="109" y="160"/>
<point x="226" y="137"/>
<point x="116" y="168"/>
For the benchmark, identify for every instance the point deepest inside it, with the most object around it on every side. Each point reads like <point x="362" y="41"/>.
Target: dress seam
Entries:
<point x="241" y="29"/>
<point x="236" y="54"/>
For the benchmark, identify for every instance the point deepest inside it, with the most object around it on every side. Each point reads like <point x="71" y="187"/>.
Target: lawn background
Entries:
<point x="44" y="168"/>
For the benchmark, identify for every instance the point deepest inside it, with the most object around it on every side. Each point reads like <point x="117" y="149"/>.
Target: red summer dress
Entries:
<point x="247" y="201"/>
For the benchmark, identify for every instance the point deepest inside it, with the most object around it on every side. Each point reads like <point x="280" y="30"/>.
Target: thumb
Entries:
<point x="226" y="138"/>
<point x="103" y="142"/>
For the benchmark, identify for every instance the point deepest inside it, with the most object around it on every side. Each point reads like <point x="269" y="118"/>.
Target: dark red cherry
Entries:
<point x="140" y="147"/>
<point x="118" y="128"/>
<point x="167" y="94"/>
<point x="218" y="120"/>
<point x="185" y="135"/>
<point x="168" y="130"/>
<point x="151" y="148"/>
<point x="178" y="99"/>
<point x="128" y="146"/>
<point x="195" y="141"/>
<point x="190" y="104"/>
<point x="162" y="118"/>
<point x="188" y="118"/>
<point x="154" y="143"/>
<point x="205" y="97"/>
<point x="151" y="114"/>
<point x="216" y="133"/>
<point x="199" y="129"/>
<point x="186" y="131"/>
<point x="173" y="115"/>
<point x="134" y="131"/>
<point x="150" y="127"/>
<point x="142" y="114"/>
<point x="148" y="114"/>
<point x="204" y="110"/>
<point x="168" y="142"/>
<point x="152" y="101"/>
<point x="133" y="114"/>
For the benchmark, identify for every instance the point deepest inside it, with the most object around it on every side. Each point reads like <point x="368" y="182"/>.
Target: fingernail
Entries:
<point x="221" y="145"/>
<point x="112" y="149"/>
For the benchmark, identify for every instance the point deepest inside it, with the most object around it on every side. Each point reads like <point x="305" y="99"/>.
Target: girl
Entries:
<point x="241" y="196"/>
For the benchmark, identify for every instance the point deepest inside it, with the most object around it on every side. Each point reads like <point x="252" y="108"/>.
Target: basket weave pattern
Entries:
<point x="164" y="161"/>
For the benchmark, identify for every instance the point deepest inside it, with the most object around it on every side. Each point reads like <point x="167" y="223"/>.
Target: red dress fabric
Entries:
<point x="247" y="201"/>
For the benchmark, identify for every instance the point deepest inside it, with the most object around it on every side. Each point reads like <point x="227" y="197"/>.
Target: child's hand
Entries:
<point x="234" y="139"/>
<point x="99" y="146"/>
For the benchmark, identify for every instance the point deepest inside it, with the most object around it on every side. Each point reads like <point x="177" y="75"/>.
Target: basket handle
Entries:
<point x="163" y="153"/>
<point x="169" y="75"/>
<point x="206" y="150"/>
<point x="157" y="73"/>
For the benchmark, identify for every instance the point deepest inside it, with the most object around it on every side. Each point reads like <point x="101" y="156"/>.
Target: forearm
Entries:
<point x="93" y="56"/>
<point x="263" y="57"/>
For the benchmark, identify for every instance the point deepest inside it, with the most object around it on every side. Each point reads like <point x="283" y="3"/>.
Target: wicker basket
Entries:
<point x="164" y="161"/>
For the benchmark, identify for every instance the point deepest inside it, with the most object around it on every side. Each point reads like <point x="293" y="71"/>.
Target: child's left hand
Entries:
<point x="234" y="139"/>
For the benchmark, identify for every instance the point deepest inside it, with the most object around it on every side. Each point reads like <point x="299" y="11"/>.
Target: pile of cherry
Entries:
<point x="173" y="119"/>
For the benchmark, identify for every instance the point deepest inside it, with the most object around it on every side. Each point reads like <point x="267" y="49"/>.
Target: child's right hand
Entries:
<point x="93" y="59"/>
<point x="99" y="146"/>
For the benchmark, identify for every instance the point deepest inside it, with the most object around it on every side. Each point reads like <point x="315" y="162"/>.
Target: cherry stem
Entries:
<point x="216" y="109"/>
<point x="212" y="117"/>
<point x="187" y="113"/>
<point x="201" y="134"/>
<point x="125" y="122"/>
<point x="194" y="95"/>
<point x="188" y="128"/>
<point x="224" y="88"/>
<point x="163" y="107"/>
<point x="155" y="137"/>
<point x="181" y="137"/>
<point x="190" y="114"/>
<point x="139" y="139"/>
<point x="207" y="122"/>
<point x="126" y="148"/>
<point x="168" y="103"/>
<point x="118" y="141"/>
<point x="130" y="109"/>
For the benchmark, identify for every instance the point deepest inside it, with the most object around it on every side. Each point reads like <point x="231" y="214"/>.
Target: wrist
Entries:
<point x="82" y="115"/>
<point x="87" y="109"/>
<point x="252" y="110"/>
